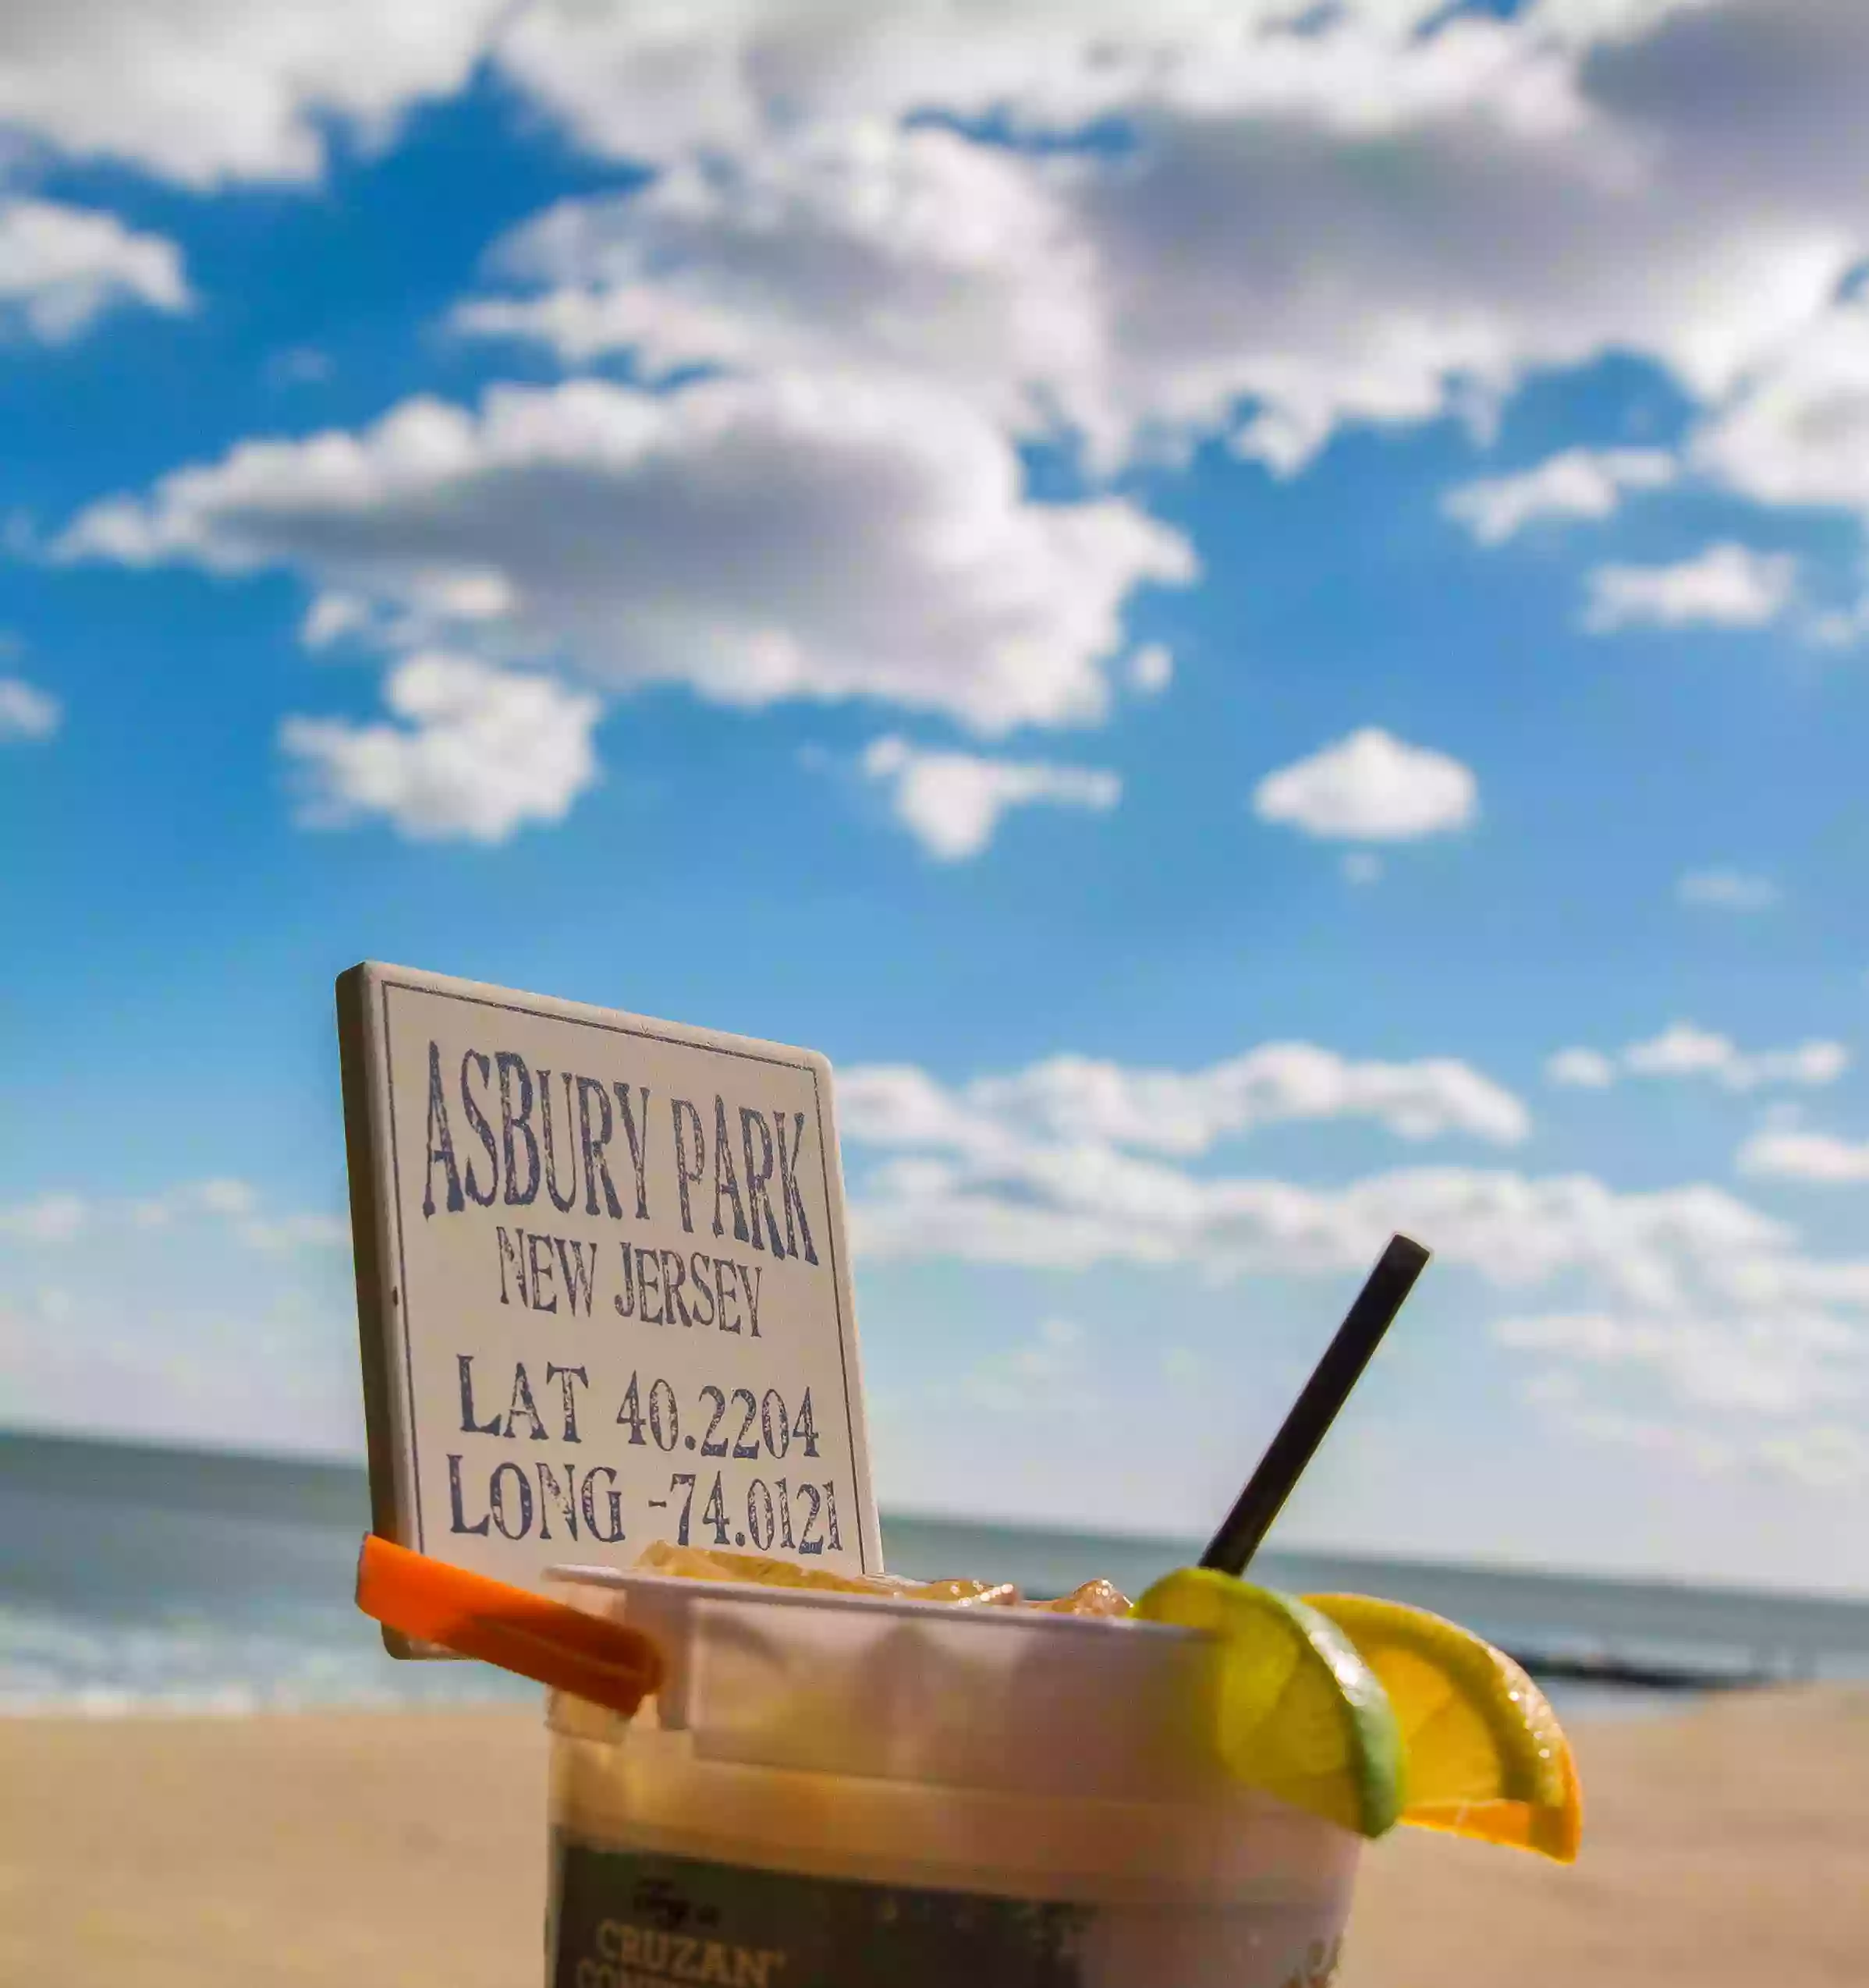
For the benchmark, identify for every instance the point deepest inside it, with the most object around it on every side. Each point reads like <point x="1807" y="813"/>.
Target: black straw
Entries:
<point x="1314" y="1411"/>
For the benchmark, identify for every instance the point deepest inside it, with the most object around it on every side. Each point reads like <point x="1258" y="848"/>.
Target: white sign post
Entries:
<point x="603" y="1286"/>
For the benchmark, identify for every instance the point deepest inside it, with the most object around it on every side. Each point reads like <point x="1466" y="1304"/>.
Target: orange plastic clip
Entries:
<point x="434" y="1602"/>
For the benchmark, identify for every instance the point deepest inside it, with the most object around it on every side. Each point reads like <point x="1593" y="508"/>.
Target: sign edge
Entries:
<point x="376" y="1333"/>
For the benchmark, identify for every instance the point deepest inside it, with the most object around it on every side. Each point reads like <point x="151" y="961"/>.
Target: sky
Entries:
<point x="1254" y="618"/>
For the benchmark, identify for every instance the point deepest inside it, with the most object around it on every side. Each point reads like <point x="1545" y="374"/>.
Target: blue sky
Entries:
<point x="1261" y="637"/>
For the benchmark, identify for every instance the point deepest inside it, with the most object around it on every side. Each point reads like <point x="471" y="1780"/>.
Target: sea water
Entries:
<point x="139" y="1578"/>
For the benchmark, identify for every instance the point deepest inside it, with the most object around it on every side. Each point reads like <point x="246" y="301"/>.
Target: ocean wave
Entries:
<point x="72" y="1665"/>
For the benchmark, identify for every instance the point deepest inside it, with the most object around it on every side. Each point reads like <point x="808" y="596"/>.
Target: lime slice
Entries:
<point x="1486" y="1757"/>
<point x="1300" y="1714"/>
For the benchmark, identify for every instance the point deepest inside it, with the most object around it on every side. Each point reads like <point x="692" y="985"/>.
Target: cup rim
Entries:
<point x="575" y="1574"/>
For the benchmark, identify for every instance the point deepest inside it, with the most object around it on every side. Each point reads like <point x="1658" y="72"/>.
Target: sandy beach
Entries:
<point x="1725" y="1847"/>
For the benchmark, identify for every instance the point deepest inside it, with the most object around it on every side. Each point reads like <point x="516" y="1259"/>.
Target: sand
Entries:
<point x="405" y="1850"/>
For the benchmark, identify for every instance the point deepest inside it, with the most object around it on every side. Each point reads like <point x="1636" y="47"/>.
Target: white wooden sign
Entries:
<point x="602" y="1282"/>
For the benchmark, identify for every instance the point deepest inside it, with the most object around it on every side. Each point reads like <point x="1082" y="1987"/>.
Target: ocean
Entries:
<point x="135" y="1579"/>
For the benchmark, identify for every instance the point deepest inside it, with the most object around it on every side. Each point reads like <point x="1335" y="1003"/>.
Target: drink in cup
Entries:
<point x="836" y="1789"/>
<point x="843" y="1780"/>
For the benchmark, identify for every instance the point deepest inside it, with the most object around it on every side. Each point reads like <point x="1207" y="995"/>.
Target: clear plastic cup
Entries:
<point x="831" y="1792"/>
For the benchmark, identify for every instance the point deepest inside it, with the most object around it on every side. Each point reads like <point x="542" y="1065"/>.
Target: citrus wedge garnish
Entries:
<point x="1486" y="1755"/>
<point x="1299" y="1714"/>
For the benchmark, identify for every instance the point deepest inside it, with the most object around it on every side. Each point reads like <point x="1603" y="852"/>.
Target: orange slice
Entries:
<point x="1486" y="1756"/>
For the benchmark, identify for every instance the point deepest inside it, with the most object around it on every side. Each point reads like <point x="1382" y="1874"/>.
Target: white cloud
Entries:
<point x="1804" y="1156"/>
<point x="641" y="87"/>
<point x="1151" y="669"/>
<point x="206" y="91"/>
<point x="51" y="1218"/>
<point x="1579" y="483"/>
<point x="1499" y="196"/>
<point x="1369" y="787"/>
<point x="26" y="712"/>
<point x="479" y="753"/>
<point x="1683" y="1050"/>
<point x="1073" y="1207"/>
<point x="1714" y="1343"/>
<point x="1779" y="1364"/>
<point x="1763" y="1284"/>
<point x="1586" y="1069"/>
<point x="232" y="1205"/>
<point x="237" y="1204"/>
<point x="758" y="539"/>
<point x="1727" y="890"/>
<point x="1074" y="1099"/>
<point x="1797" y="432"/>
<point x="1032" y="291"/>
<point x="61" y="267"/>
<point x="1070" y="1165"/>
<point x="223" y="1196"/>
<point x="1711" y="1387"/>
<point x="279" y="1234"/>
<point x="953" y="802"/>
<point x="911" y="251"/>
<point x="1822" y="1455"/>
<point x="330" y="617"/>
<point x="233" y="1198"/>
<point x="1727" y="586"/>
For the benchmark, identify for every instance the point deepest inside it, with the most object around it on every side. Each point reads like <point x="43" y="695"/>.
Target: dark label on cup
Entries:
<point x="628" y="1920"/>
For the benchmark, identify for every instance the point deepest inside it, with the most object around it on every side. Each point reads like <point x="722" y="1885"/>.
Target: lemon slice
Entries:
<point x="1300" y="1714"/>
<point x="1486" y="1757"/>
